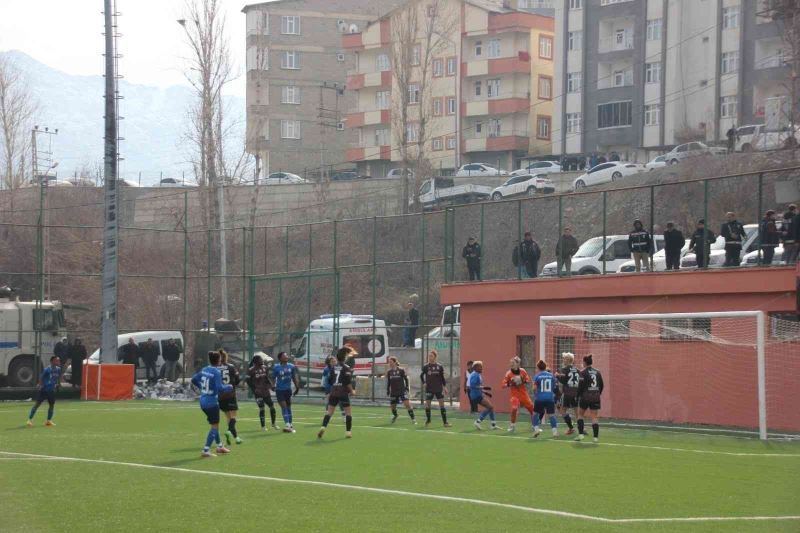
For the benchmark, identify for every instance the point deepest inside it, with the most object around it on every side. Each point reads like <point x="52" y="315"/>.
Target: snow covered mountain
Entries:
<point x="153" y="127"/>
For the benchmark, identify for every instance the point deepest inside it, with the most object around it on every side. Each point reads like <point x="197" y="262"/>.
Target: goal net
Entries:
<point x="734" y="370"/>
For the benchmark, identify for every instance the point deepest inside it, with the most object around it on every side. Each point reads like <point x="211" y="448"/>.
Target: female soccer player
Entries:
<point x="340" y="393"/>
<point x="517" y="379"/>
<point x="397" y="389"/>
<point x="260" y="385"/>
<point x="227" y="400"/>
<point x="435" y="386"/>
<point x="472" y="407"/>
<point x="327" y="380"/>
<point x="284" y="374"/>
<point x="544" y="385"/>
<point x="590" y="390"/>
<point x="209" y="381"/>
<point x="48" y="382"/>
<point x="476" y="394"/>
<point x="570" y="378"/>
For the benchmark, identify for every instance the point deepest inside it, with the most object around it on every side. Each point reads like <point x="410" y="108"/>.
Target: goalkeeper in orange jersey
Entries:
<point x="517" y="380"/>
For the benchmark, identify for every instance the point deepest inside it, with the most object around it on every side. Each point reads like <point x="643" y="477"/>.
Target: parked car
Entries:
<point x="479" y="169"/>
<point x="81" y="182"/>
<point x="538" y="167"/>
<point x="692" y="149"/>
<point x="283" y="178"/>
<point x="344" y="175"/>
<point x="606" y="172"/>
<point x="175" y="182"/>
<point x="589" y="257"/>
<point x="51" y="182"/>
<point x="716" y="256"/>
<point x="756" y="137"/>
<point x="523" y="184"/>
<point x="751" y="259"/>
<point x="656" y="162"/>
<point x="659" y="259"/>
<point x="398" y="173"/>
<point x="437" y="192"/>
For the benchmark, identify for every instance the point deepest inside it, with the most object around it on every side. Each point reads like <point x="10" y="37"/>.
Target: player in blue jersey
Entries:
<point x="48" y="383"/>
<point x="284" y="375"/>
<point x="479" y="394"/>
<point x="544" y="399"/>
<point x="209" y="381"/>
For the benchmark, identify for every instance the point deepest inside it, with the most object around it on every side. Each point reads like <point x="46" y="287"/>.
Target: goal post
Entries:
<point x="677" y="367"/>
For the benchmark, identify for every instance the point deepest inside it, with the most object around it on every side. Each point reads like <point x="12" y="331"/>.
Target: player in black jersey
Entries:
<point x="342" y="388"/>
<point x="435" y="385"/>
<point x="227" y="400"/>
<point x="570" y="378"/>
<point x="397" y="389"/>
<point x="589" y="392"/>
<point x="259" y="383"/>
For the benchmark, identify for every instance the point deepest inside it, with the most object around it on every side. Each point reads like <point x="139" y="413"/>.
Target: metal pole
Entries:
<point x="652" y="226"/>
<point x="374" y="283"/>
<point x="453" y="246"/>
<point x="706" y="257"/>
<point x="223" y="250"/>
<point x="286" y="250"/>
<point x="758" y="214"/>
<point x="605" y="229"/>
<point x="483" y="250"/>
<point x="185" y="275"/>
<point x="519" y="239"/>
<point x="424" y="270"/>
<point x="444" y="242"/>
<point x="244" y="271"/>
<point x="559" y="243"/>
<point x="208" y="279"/>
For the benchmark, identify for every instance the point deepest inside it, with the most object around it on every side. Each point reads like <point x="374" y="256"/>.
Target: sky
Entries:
<point x="67" y="35"/>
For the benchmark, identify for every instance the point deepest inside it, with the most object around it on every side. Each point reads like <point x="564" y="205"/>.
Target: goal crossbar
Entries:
<point x="759" y="317"/>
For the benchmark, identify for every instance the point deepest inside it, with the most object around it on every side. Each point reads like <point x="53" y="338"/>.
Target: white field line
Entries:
<point x="473" y="501"/>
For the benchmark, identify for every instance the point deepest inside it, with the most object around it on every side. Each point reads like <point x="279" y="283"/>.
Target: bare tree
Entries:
<point x="786" y="13"/>
<point x="17" y="109"/>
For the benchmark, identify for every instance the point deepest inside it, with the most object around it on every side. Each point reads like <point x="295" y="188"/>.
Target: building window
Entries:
<point x="652" y="115"/>
<point x="290" y="129"/>
<point x="545" y="47"/>
<point x="494" y="48"/>
<point x="575" y="4"/>
<point x="290" y="94"/>
<point x="730" y="62"/>
<point x="438" y="68"/>
<point x="451" y="105"/>
<point x="382" y="63"/>
<point x="614" y="114"/>
<point x="383" y="99"/>
<point x="654" y="30"/>
<point x="437" y="107"/>
<point x="728" y="106"/>
<point x="451" y="142"/>
<point x="545" y="87"/>
<point x="623" y="78"/>
<point x="574" y="82"/>
<point x="478" y="86"/>
<point x="493" y="88"/>
<point x="382" y="137"/>
<point x="479" y="127"/>
<point x="437" y="144"/>
<point x="575" y="40"/>
<point x="495" y="127"/>
<point x="257" y="58"/>
<point x="652" y="72"/>
<point x="413" y="93"/>
<point x="290" y="25"/>
<point x="451" y="66"/>
<point x="257" y="22"/>
<point x="412" y="132"/>
<point x="416" y="53"/>
<point x="543" y="128"/>
<point x="290" y="59"/>
<point x="573" y="123"/>
<point x="730" y="17"/>
<point x="478" y="48"/>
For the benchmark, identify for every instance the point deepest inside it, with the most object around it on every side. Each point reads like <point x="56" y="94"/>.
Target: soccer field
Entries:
<point x="135" y="466"/>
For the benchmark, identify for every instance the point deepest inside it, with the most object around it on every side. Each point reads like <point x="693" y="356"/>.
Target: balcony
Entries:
<point x="501" y="142"/>
<point x="356" y="81"/>
<point x="769" y="53"/>
<point x="368" y="153"/>
<point x="520" y="64"/>
<point x="496" y="106"/>
<point x="368" y="118"/>
<point x="615" y="34"/>
<point x="352" y="41"/>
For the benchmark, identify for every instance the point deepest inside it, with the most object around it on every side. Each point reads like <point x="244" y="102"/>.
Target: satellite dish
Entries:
<point x="353" y="28"/>
<point x="342" y="26"/>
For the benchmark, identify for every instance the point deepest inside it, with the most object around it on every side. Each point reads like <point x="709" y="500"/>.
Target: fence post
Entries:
<point x="208" y="279"/>
<point x="424" y="271"/>
<point x="482" y="244"/>
<point x="605" y="230"/>
<point x="521" y="264"/>
<point x="185" y="275"/>
<point x="286" y="250"/>
<point x="444" y="241"/>
<point x="758" y="214"/>
<point x="310" y="246"/>
<point x="244" y="271"/>
<point x="652" y="226"/>
<point x="706" y="257"/>
<point x="453" y="246"/>
<point x="374" y="283"/>
<point x="559" y="249"/>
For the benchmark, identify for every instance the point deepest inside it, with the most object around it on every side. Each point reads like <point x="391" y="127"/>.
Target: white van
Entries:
<point x="319" y="342"/>
<point x="160" y="339"/>
<point x="589" y="257"/>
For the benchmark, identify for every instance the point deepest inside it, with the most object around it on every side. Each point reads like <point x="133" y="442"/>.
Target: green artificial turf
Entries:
<point x="632" y="473"/>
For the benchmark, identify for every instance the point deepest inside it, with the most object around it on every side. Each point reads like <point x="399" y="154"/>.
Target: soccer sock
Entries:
<point x="491" y="416"/>
<point x="536" y="420"/>
<point x="33" y="412"/>
<point x="232" y="427"/>
<point x="427" y="414"/>
<point x="411" y="413"/>
<point x="596" y="430"/>
<point x="513" y="416"/>
<point x="348" y="422"/>
<point x="209" y="439"/>
<point x="553" y="422"/>
<point x="272" y="415"/>
<point x="325" y="420"/>
<point x="50" y="412"/>
<point x="216" y="437"/>
<point x="394" y="412"/>
<point x="289" y="410"/>
<point x="444" y="414"/>
<point x="534" y="416"/>
<point x="483" y="415"/>
<point x="580" y="426"/>
<point x="568" y="420"/>
<point x="262" y="416"/>
<point x="285" y="413"/>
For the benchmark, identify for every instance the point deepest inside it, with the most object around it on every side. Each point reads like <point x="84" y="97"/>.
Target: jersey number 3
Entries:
<point x="205" y="385"/>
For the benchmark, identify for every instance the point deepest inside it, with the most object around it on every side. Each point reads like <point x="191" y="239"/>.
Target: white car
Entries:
<point x="479" y="169"/>
<point x="398" y="173"/>
<point x="657" y="162"/>
<point x="538" y="167"/>
<point x="716" y="255"/>
<point x="751" y="259"/>
<point x="435" y="333"/>
<point x="174" y="182"/>
<point x="523" y="184"/>
<point x="589" y="257"/>
<point x="606" y="172"/>
<point x="659" y="260"/>
<point x="283" y="178"/>
<point x="692" y="149"/>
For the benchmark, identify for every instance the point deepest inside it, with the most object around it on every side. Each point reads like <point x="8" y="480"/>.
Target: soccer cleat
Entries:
<point x="511" y="428"/>
<point x="536" y="433"/>
<point x="276" y="428"/>
<point x="320" y="433"/>
<point x="222" y="449"/>
<point x="348" y="434"/>
<point x="555" y="432"/>
<point x="394" y="419"/>
<point x="414" y="421"/>
<point x="238" y="440"/>
<point x="427" y="423"/>
<point x="49" y="423"/>
<point x="29" y="423"/>
<point x="595" y="439"/>
<point x="264" y="428"/>
<point x="206" y="454"/>
<point x="570" y="431"/>
<point x="579" y="437"/>
<point x="448" y="425"/>
<point x="478" y="425"/>
<point x="228" y="437"/>
<point x="495" y="427"/>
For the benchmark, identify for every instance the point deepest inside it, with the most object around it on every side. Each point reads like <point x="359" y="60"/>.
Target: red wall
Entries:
<point x="647" y="379"/>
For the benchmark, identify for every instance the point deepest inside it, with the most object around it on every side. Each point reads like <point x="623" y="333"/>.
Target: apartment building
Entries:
<point x="490" y="94"/>
<point x="296" y="69"/>
<point x="639" y="76"/>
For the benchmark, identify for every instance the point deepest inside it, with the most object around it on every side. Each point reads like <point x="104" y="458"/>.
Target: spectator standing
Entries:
<point x="149" y="354"/>
<point x="565" y="248"/>
<point x="770" y="236"/>
<point x="731" y="134"/>
<point x="733" y="232"/>
<point x="129" y="355"/>
<point x="640" y="243"/>
<point x="171" y="356"/>
<point x="472" y="254"/>
<point x="77" y="353"/>
<point x="593" y="160"/>
<point x="700" y="243"/>
<point x="412" y="323"/>
<point x="673" y="244"/>
<point x="790" y="234"/>
<point x="61" y="350"/>
<point x="614" y="156"/>
<point x="526" y="256"/>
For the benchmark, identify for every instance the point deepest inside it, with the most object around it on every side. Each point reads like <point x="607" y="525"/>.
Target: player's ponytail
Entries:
<point x="541" y="365"/>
